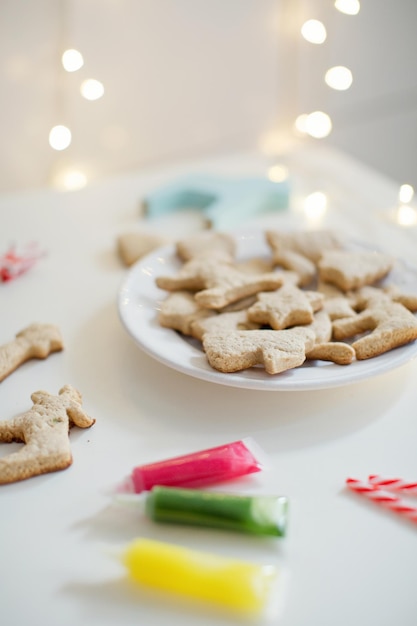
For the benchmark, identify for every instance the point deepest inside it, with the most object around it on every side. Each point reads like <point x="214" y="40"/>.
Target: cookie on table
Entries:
<point x="44" y="431"/>
<point x="222" y="322"/>
<point x="36" y="341"/>
<point x="324" y="348"/>
<point x="180" y="310"/>
<point x="337" y="352"/>
<point x="406" y="298"/>
<point x="349" y="270"/>
<point x="207" y="244"/>
<point x="308" y="243"/>
<point x="275" y="350"/>
<point x="255" y="265"/>
<point x="338" y="307"/>
<point x="388" y="324"/>
<point x="336" y="302"/>
<point x="285" y="307"/>
<point x="134" y="245"/>
<point x="292" y="261"/>
<point x="301" y="250"/>
<point x="361" y="297"/>
<point x="217" y="283"/>
<point x="238" y="305"/>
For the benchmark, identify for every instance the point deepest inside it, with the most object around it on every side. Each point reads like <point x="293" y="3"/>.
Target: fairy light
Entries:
<point x="278" y="173"/>
<point x="318" y="124"/>
<point x="92" y="89"/>
<point x="405" y="194"/>
<point x="315" y="206"/>
<point x="349" y="7"/>
<point x="59" y="137"/>
<point x="70" y="179"/>
<point x="74" y="179"/>
<point x="338" y="77"/>
<point x="72" y="60"/>
<point x="314" y="31"/>
<point x="406" y="215"/>
<point x="300" y="124"/>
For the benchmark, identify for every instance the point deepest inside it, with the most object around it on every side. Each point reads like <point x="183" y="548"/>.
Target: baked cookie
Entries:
<point x="388" y="323"/>
<point x="44" y="431"/>
<point x="285" y="307"/>
<point x="222" y="322"/>
<point x="350" y="270"/>
<point x="275" y="350"/>
<point x="180" y="310"/>
<point x="37" y="341"/>
<point x="207" y="244"/>
<point x="133" y="246"/>
<point x="300" y="251"/>
<point x="324" y="348"/>
<point x="218" y="283"/>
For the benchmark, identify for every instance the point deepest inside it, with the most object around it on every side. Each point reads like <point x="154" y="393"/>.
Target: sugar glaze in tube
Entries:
<point x="197" y="469"/>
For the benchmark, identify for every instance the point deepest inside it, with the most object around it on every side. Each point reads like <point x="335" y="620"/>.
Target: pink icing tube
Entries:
<point x="197" y="469"/>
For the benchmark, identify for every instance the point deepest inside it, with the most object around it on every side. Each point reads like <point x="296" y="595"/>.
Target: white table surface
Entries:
<point x="346" y="561"/>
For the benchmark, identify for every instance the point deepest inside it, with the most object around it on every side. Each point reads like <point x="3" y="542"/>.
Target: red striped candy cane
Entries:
<point x="393" y="484"/>
<point x="382" y="498"/>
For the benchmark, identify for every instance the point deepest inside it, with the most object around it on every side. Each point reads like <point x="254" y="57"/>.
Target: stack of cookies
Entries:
<point x="313" y="298"/>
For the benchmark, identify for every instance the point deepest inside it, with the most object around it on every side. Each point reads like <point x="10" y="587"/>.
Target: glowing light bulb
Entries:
<point x="349" y="7"/>
<point x="300" y="123"/>
<point x="314" y="31"/>
<point x="72" y="60"/>
<point x="278" y="173"/>
<point x="92" y="89"/>
<point x="406" y="215"/>
<point x="318" y="124"/>
<point x="59" y="137"/>
<point x="315" y="206"/>
<point x="406" y="194"/>
<point x="69" y="179"/>
<point x="338" y="77"/>
<point x="74" y="179"/>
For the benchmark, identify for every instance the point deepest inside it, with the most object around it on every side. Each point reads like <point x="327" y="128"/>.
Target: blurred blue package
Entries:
<point x="224" y="202"/>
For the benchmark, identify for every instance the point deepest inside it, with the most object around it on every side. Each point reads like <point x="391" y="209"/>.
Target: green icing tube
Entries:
<point x="261" y="515"/>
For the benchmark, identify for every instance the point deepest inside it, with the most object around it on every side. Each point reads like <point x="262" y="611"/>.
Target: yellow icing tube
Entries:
<point x="236" y="585"/>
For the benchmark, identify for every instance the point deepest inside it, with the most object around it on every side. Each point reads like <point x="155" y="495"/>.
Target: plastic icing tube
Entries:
<point x="198" y="469"/>
<point x="261" y="515"/>
<point x="242" y="587"/>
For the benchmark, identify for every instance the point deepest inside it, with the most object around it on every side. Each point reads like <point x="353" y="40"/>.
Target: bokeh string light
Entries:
<point x="315" y="207"/>
<point x="349" y="7"/>
<point x="92" y="89"/>
<point x="72" y="60"/>
<point x="318" y="124"/>
<point x="314" y="31"/>
<point x="60" y="136"/>
<point x="338" y="77"/>
<point x="406" y="215"/>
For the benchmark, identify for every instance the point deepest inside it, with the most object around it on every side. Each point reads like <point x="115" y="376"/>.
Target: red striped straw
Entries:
<point x="382" y="498"/>
<point x="393" y="484"/>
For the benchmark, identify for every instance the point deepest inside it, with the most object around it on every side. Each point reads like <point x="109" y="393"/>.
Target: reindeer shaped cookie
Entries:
<point x="37" y="341"/>
<point x="44" y="430"/>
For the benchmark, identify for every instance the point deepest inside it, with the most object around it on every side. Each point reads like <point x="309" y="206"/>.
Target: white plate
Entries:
<point x="140" y="300"/>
